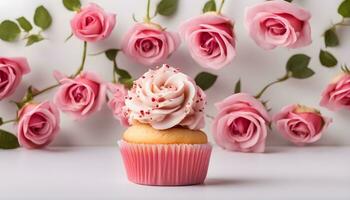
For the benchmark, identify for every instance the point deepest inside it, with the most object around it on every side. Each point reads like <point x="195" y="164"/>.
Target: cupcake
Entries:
<point x="164" y="144"/>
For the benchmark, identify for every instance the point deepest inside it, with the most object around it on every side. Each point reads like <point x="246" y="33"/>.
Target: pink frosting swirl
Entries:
<point x="165" y="98"/>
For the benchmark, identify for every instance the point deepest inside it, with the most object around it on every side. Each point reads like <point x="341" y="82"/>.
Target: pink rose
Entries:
<point x="337" y="94"/>
<point x="11" y="72"/>
<point x="300" y="124"/>
<point x="241" y="124"/>
<point x="80" y="96"/>
<point x="278" y="23"/>
<point x="149" y="44"/>
<point x="210" y="39"/>
<point x="116" y="102"/>
<point x="38" y="125"/>
<point x="92" y="23"/>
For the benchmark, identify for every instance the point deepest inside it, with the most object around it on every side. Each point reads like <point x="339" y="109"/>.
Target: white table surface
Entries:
<point x="97" y="173"/>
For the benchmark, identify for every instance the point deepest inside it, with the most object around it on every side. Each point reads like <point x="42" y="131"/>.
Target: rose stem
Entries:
<point x="115" y="69"/>
<point x="37" y="93"/>
<point x="148" y="17"/>
<point x="221" y="5"/>
<point x="284" y="78"/>
<point x="45" y="90"/>
<point x="341" y="23"/>
<point x="82" y="61"/>
<point x="8" y="121"/>
<point x="76" y="74"/>
<point x="114" y="75"/>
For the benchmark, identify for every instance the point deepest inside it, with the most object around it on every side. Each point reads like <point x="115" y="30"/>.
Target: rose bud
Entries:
<point x="300" y="124"/>
<point x="80" y="96"/>
<point x="241" y="124"/>
<point x="92" y="23"/>
<point x="278" y="23"/>
<point x="337" y="94"/>
<point x="116" y="101"/>
<point x="210" y="39"/>
<point x="149" y="44"/>
<point x="38" y="125"/>
<point x="11" y="72"/>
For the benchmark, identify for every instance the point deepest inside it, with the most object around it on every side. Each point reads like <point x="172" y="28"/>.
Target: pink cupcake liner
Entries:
<point x="165" y="164"/>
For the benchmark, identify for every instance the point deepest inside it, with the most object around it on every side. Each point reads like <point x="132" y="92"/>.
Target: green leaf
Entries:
<point x="345" y="69"/>
<point x="9" y="31"/>
<point x="25" y="24"/>
<point x="72" y="5"/>
<point x="33" y="39"/>
<point x="8" y="140"/>
<point x="18" y="104"/>
<point x="29" y="95"/>
<point x="303" y="74"/>
<point x="344" y="8"/>
<point x="209" y="6"/>
<point x="297" y="66"/>
<point x="42" y="18"/>
<point x="327" y="59"/>
<point x="167" y="7"/>
<point x="128" y="82"/>
<point x="298" y="61"/>
<point x="31" y="92"/>
<point x="27" y="98"/>
<point x="123" y="74"/>
<point x="111" y="54"/>
<point x="238" y="86"/>
<point x="331" y="38"/>
<point x="288" y="1"/>
<point x="1" y="121"/>
<point x="205" y="80"/>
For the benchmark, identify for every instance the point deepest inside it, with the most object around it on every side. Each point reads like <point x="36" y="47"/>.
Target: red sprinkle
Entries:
<point x="161" y="99"/>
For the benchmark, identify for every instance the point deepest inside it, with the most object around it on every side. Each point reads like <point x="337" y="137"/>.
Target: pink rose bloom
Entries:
<point x="149" y="44"/>
<point x="337" y="94"/>
<point x="210" y="39"/>
<point x="241" y="124"/>
<point x="165" y="98"/>
<point x="38" y="125"/>
<point x="278" y="23"/>
<point x="80" y="96"/>
<point x="92" y="23"/>
<point x="116" y="102"/>
<point x="11" y="72"/>
<point x="300" y="124"/>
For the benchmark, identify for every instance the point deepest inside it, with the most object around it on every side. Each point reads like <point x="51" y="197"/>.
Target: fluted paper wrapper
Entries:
<point x="165" y="164"/>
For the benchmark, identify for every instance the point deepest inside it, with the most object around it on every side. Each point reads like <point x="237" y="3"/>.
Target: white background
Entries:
<point x="256" y="67"/>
